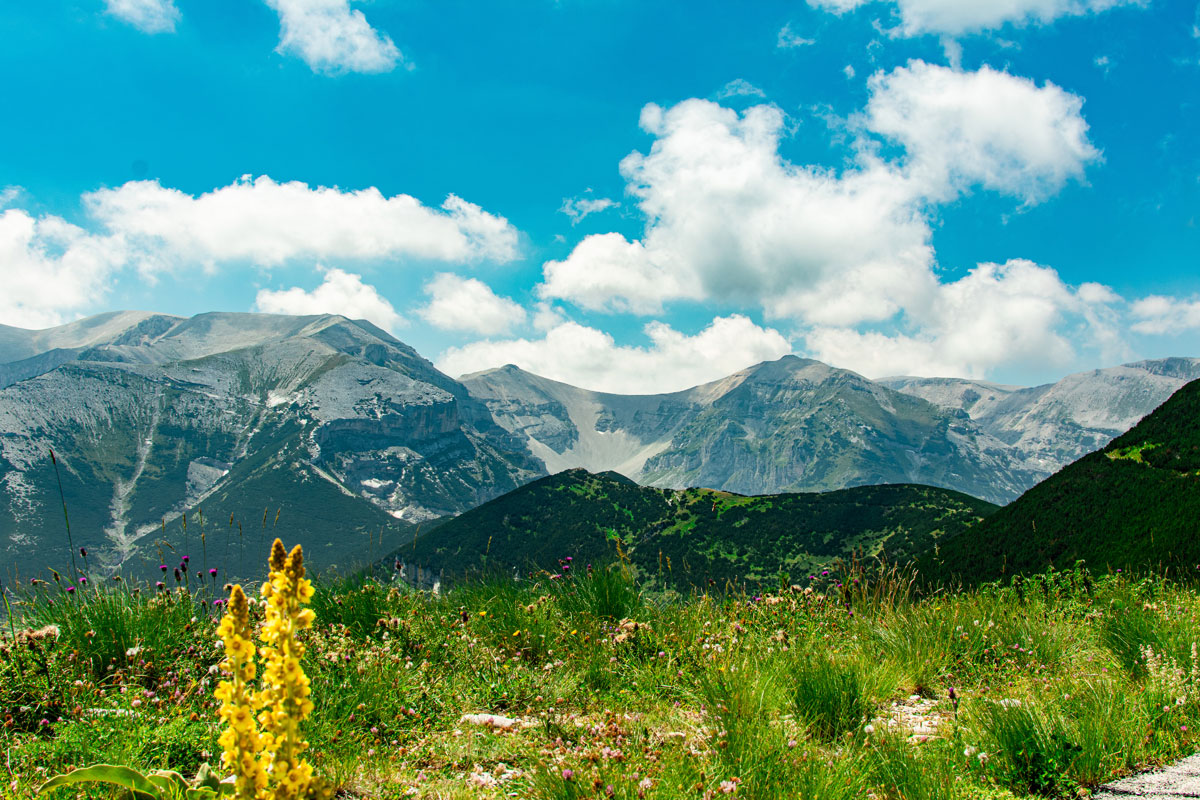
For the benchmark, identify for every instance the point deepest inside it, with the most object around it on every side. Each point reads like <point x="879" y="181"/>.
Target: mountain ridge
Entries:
<point x="675" y="438"/>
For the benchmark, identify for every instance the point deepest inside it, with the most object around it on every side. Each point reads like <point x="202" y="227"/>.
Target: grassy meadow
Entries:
<point x="846" y="686"/>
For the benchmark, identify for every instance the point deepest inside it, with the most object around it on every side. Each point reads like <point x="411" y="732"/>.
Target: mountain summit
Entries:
<point x="799" y="425"/>
<point x="332" y="420"/>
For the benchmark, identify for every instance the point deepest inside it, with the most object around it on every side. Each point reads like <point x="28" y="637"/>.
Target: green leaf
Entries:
<point x="170" y="784"/>
<point x="206" y="777"/>
<point x="127" y="777"/>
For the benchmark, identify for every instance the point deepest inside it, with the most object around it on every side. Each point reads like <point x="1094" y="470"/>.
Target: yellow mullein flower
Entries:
<point x="284" y="687"/>
<point x="240" y="741"/>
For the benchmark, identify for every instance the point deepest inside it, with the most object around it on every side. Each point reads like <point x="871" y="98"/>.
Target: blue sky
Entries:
<point x="634" y="196"/>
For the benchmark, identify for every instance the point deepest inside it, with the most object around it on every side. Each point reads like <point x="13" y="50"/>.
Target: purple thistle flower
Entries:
<point x="83" y="552"/>
<point x="213" y="572"/>
<point x="70" y="589"/>
<point x="186" y="559"/>
<point x="159" y="584"/>
<point x="163" y="567"/>
<point x="83" y="579"/>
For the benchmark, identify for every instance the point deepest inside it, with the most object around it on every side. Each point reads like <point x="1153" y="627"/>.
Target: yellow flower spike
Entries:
<point x="239" y="741"/>
<point x="284" y="685"/>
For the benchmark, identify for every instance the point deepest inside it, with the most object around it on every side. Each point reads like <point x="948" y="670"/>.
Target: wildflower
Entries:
<point x="240" y="741"/>
<point x="163" y="567"/>
<point x="70" y="589"/>
<point x="83" y="552"/>
<point x="213" y="572"/>
<point x="285" y="693"/>
<point x="83" y="579"/>
<point x="567" y="774"/>
<point x="159" y="584"/>
<point x="869" y="729"/>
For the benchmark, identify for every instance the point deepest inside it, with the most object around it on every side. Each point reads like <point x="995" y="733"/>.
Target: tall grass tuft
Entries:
<point x="1032" y="749"/>
<point x="829" y="694"/>
<point x="111" y="626"/>
<point x="606" y="592"/>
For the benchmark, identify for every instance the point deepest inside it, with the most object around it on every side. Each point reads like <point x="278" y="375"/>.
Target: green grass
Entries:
<point x="829" y="692"/>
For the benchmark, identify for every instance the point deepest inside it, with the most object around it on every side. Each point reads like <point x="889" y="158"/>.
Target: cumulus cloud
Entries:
<point x="150" y="16"/>
<point x="1170" y="315"/>
<point x="468" y="304"/>
<point x="997" y="315"/>
<point x="339" y="293"/>
<point x="957" y="17"/>
<point x="267" y="223"/>
<point x="333" y="38"/>
<point x="55" y="269"/>
<point x="51" y="268"/>
<point x="607" y="272"/>
<point x="729" y="218"/>
<point x="590" y="358"/>
<point x="983" y="128"/>
<point x="579" y="207"/>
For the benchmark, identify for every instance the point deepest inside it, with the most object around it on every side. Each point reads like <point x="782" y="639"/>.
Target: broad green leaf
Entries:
<point x="128" y="777"/>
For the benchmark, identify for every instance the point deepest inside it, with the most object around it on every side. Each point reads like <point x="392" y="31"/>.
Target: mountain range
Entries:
<point x="327" y="424"/>
<point x="800" y="425"/>
<point x="176" y="435"/>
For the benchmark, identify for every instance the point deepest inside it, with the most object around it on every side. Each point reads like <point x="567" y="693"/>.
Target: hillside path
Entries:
<point x="1179" y="780"/>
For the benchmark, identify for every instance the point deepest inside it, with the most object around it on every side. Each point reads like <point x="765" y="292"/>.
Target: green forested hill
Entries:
<point x="1134" y="504"/>
<point x="680" y="538"/>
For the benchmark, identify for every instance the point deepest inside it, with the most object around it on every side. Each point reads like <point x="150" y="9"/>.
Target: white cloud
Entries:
<point x="984" y="128"/>
<point x="59" y="269"/>
<point x="589" y="358"/>
<point x="333" y="38"/>
<point x="729" y="219"/>
<point x="339" y="293"/>
<point x="268" y="223"/>
<point x="788" y="38"/>
<point x="956" y="17"/>
<point x="607" y="272"/>
<point x="150" y="16"/>
<point x="52" y="268"/>
<point x="579" y="207"/>
<point x="739" y="87"/>
<point x="1170" y="315"/>
<point x="468" y="304"/>
<point x="1017" y="313"/>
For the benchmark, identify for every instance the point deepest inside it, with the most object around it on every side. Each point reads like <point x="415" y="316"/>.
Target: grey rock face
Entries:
<point x="799" y="425"/>
<point x="151" y="416"/>
<point x="787" y="425"/>
<point x="1049" y="426"/>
